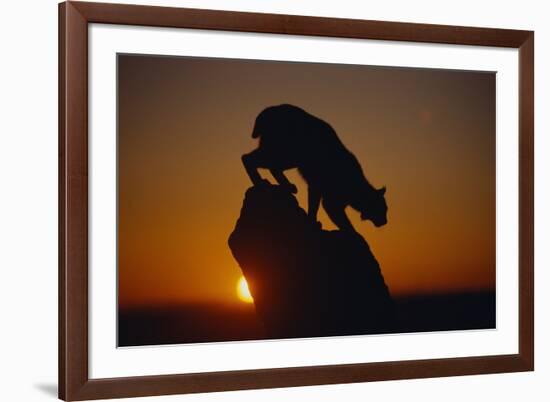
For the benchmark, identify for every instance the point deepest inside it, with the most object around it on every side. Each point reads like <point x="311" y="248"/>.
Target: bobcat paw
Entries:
<point x="263" y="183"/>
<point x="291" y="188"/>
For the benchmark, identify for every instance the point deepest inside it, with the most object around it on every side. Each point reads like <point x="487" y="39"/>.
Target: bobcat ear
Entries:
<point x="382" y="190"/>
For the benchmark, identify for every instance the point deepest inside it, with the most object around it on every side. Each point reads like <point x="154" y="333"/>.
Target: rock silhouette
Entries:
<point x="306" y="281"/>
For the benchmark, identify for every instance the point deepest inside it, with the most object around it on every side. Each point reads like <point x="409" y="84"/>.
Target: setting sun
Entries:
<point x="243" y="292"/>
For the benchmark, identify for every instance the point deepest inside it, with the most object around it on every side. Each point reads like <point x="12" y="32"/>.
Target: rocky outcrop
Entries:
<point x="306" y="281"/>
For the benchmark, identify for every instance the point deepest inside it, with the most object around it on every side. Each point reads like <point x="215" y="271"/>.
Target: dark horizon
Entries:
<point x="199" y="322"/>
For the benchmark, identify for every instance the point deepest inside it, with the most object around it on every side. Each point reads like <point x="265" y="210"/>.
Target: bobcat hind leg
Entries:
<point x="252" y="162"/>
<point x="283" y="181"/>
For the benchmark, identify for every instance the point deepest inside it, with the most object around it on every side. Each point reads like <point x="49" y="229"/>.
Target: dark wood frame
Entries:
<point x="74" y="383"/>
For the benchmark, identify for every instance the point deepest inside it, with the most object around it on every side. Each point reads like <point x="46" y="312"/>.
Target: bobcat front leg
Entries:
<point x="283" y="181"/>
<point x="313" y="202"/>
<point x="336" y="212"/>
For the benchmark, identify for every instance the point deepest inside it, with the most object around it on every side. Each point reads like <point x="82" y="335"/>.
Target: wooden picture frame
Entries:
<point x="74" y="381"/>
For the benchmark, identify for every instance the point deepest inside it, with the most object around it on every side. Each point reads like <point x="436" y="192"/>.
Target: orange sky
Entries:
<point x="428" y="135"/>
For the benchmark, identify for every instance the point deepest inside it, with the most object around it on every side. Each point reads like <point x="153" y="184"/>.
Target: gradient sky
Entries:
<point x="428" y="135"/>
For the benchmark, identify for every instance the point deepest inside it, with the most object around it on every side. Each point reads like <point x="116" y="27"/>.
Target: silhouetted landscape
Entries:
<point x="306" y="282"/>
<point x="239" y="322"/>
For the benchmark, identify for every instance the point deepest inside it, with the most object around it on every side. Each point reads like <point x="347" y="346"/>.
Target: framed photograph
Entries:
<point x="258" y="200"/>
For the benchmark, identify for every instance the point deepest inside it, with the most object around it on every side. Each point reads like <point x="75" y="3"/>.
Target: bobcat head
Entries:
<point x="374" y="208"/>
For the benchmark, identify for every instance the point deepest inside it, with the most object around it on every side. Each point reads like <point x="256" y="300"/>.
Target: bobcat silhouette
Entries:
<point x="292" y="138"/>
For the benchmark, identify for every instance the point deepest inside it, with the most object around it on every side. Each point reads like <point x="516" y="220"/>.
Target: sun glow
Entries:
<point x="243" y="292"/>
